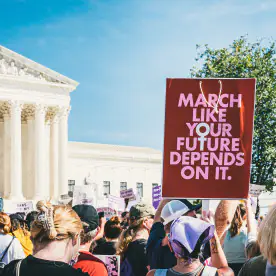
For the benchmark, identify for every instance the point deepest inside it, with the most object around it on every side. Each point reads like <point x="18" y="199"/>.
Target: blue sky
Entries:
<point x="121" y="51"/>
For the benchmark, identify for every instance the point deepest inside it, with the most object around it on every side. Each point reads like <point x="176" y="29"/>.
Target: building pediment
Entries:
<point x="18" y="67"/>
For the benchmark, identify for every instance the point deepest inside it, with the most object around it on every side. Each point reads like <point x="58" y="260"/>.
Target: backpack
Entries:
<point x="126" y="269"/>
<point x="2" y="265"/>
<point x="207" y="271"/>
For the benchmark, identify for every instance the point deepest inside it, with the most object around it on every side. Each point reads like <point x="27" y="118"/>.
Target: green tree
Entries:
<point x="243" y="59"/>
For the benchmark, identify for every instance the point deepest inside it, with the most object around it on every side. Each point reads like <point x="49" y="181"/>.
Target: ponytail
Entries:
<point x="237" y="220"/>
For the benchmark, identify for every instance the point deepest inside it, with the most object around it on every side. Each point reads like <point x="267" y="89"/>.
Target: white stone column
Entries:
<point x="47" y="159"/>
<point x="40" y="112"/>
<point x="63" y="153"/>
<point x="16" y="155"/>
<point x="30" y="156"/>
<point x="7" y="149"/>
<point x="54" y="148"/>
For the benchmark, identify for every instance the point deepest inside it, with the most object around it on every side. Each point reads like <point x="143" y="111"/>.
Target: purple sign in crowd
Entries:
<point x="156" y="196"/>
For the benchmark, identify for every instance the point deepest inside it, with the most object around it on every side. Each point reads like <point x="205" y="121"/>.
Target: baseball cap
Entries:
<point x="141" y="210"/>
<point x="173" y="210"/>
<point x="89" y="215"/>
<point x="190" y="205"/>
<point x="188" y="234"/>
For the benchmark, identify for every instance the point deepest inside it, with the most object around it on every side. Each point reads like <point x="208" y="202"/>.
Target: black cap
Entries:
<point x="18" y="216"/>
<point x="190" y="205"/>
<point x="89" y="215"/>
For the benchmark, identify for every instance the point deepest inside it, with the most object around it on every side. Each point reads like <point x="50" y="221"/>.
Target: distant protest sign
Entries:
<point x="12" y="207"/>
<point x="127" y="193"/>
<point x="256" y="190"/>
<point x="83" y="195"/>
<point x="108" y="212"/>
<point x="156" y="196"/>
<point x="116" y="203"/>
<point x="1" y="204"/>
<point x="208" y="138"/>
<point x="112" y="263"/>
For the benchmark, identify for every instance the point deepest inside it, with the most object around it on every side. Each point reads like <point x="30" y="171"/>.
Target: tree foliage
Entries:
<point x="243" y="59"/>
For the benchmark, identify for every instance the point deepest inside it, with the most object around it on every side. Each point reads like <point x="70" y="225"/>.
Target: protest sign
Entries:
<point x="116" y="203"/>
<point x="156" y="196"/>
<point x="64" y="199"/>
<point x="12" y="207"/>
<point x="256" y="190"/>
<point x="112" y="263"/>
<point x="127" y="194"/>
<point x="1" y="204"/>
<point x="208" y="138"/>
<point x="108" y="212"/>
<point x="83" y="195"/>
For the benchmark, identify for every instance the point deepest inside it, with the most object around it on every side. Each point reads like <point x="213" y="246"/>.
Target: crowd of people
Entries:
<point x="176" y="239"/>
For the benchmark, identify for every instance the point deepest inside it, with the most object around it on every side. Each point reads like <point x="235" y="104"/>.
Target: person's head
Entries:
<point x="175" y="209"/>
<point x="237" y="221"/>
<point x="141" y="215"/>
<point x="90" y="221"/>
<point x="187" y="236"/>
<point x="5" y="223"/>
<point x="267" y="236"/>
<point x="30" y="218"/>
<point x="125" y="219"/>
<point x="18" y="222"/>
<point x="56" y="227"/>
<point x="252" y="250"/>
<point x="112" y="228"/>
<point x="140" y="220"/>
<point x="124" y="215"/>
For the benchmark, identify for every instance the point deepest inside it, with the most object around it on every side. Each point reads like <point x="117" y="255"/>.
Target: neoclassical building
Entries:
<point x="37" y="162"/>
<point x="34" y="109"/>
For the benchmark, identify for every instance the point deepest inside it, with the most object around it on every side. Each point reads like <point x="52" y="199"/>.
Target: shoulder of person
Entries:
<point x="157" y="228"/>
<point x="255" y="264"/>
<point x="79" y="272"/>
<point x="151" y="273"/>
<point x="9" y="269"/>
<point x="157" y="233"/>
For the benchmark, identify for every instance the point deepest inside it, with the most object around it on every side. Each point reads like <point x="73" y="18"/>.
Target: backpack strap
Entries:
<point x="18" y="268"/>
<point x="6" y="250"/>
<point x="160" y="272"/>
<point x="209" y="271"/>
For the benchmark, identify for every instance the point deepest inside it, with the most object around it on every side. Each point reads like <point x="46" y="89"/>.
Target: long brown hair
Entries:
<point x="128" y="235"/>
<point x="237" y="220"/>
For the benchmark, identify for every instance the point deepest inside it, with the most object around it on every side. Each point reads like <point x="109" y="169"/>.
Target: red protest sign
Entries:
<point x="208" y="138"/>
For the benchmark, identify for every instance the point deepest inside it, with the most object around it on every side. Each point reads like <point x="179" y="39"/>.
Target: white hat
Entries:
<point x="173" y="210"/>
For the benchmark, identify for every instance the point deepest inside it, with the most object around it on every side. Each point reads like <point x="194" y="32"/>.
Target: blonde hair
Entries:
<point x="55" y="223"/>
<point x="128" y="235"/>
<point x="267" y="236"/>
<point x="5" y="223"/>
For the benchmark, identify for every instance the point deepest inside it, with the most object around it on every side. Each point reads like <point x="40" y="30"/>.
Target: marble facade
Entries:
<point x="34" y="109"/>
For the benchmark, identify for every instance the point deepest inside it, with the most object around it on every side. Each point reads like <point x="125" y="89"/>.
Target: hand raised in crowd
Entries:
<point x="208" y="217"/>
